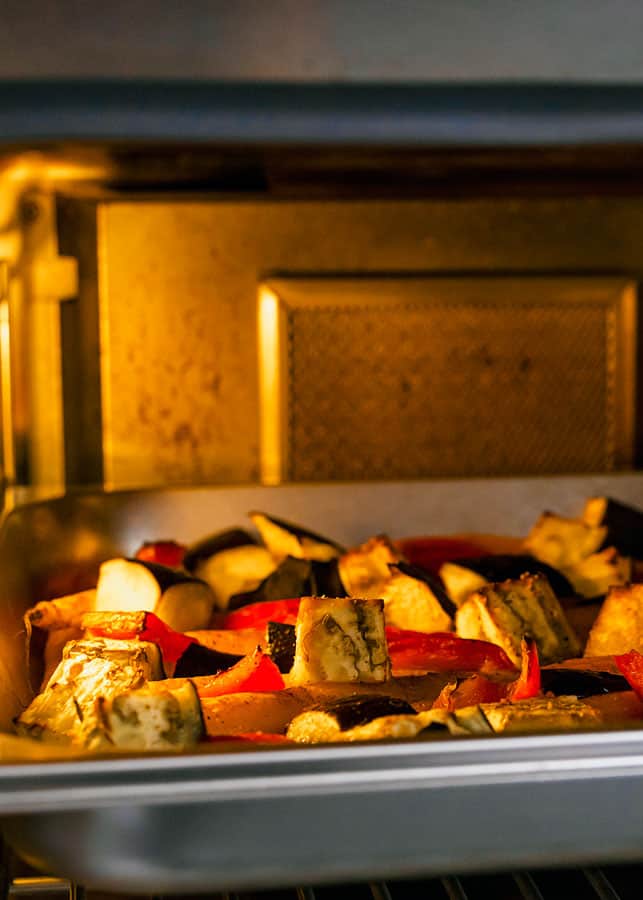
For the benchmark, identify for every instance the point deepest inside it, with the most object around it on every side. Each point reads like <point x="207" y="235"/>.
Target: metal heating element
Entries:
<point x="613" y="883"/>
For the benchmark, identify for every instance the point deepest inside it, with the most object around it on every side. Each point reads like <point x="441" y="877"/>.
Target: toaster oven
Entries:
<point x="412" y="308"/>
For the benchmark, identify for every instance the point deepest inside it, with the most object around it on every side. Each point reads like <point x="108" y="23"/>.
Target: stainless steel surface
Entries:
<point x="425" y="360"/>
<point x="306" y="815"/>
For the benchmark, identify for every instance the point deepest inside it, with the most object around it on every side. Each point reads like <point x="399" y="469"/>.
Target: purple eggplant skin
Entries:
<point x="509" y="566"/>
<point x="295" y="578"/>
<point x="216" y="543"/>
<point x="432" y="581"/>
<point x="300" y="532"/>
<point x="164" y="575"/>
<point x="281" y="640"/>
<point x="624" y="528"/>
<point x="200" y="660"/>
<point x="349" y="712"/>
<point x="580" y="682"/>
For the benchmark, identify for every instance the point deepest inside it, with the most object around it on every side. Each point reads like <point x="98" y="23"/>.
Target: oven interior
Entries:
<point x="177" y="314"/>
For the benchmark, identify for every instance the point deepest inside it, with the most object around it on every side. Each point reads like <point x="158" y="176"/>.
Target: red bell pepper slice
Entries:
<point x="253" y="737"/>
<point x="469" y="692"/>
<point x="631" y="667"/>
<point x="146" y="627"/>
<point x="442" y="651"/>
<point x="166" y="553"/>
<point x="527" y="684"/>
<point x="432" y="552"/>
<point x="255" y="672"/>
<point x="257" y="615"/>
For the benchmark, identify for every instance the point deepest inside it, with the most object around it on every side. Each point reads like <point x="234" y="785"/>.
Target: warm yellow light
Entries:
<point x="269" y="386"/>
<point x="5" y="389"/>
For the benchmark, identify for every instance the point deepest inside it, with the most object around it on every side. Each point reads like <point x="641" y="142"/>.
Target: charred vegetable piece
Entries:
<point x="154" y="717"/>
<point x="231" y="562"/>
<point x="365" y="570"/>
<point x="631" y="665"/>
<point x="444" y="652"/>
<point x="340" y="639"/>
<point x="463" y="577"/>
<point x="165" y="553"/>
<point x="414" y="599"/>
<point x="251" y="674"/>
<point x="505" y="613"/>
<point x="257" y="615"/>
<point x="624" y="524"/>
<point x="619" y="624"/>
<point x="538" y="714"/>
<point x="580" y="683"/>
<point x="63" y="612"/>
<point x="430" y="553"/>
<point x="182" y="602"/>
<point x="468" y="692"/>
<point x="595" y="575"/>
<point x="281" y="645"/>
<point x="287" y="539"/>
<point x="66" y="710"/>
<point x="562" y="542"/>
<point x="325" y="722"/>
<point x="199" y="660"/>
<point x="294" y="578"/>
<point x="528" y="684"/>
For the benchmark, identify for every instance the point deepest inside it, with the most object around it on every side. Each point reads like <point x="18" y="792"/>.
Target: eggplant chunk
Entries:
<point x="505" y="613"/>
<point x="340" y="639"/>
<point x="294" y="578"/>
<point x="281" y="642"/>
<point x="596" y="574"/>
<point x="286" y="539"/>
<point x="153" y="717"/>
<point x="562" y="542"/>
<point x="326" y="721"/>
<point x="364" y="570"/>
<point x="580" y="682"/>
<point x="624" y="524"/>
<point x="619" y="625"/>
<point x="66" y="709"/>
<point x="559" y="714"/>
<point x="231" y="562"/>
<point x="463" y="577"/>
<point x="415" y="600"/>
<point x="182" y="602"/>
<point x="63" y="612"/>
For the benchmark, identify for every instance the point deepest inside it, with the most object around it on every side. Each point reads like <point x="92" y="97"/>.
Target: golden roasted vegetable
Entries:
<point x="619" y="625"/>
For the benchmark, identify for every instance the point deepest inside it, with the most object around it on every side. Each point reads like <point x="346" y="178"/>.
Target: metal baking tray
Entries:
<point x="286" y="816"/>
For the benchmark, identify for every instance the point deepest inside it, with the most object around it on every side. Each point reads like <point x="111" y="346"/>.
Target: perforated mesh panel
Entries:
<point x="412" y="390"/>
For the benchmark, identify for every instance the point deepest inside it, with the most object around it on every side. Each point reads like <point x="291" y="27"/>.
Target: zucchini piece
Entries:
<point x="281" y="645"/>
<point x="580" y="682"/>
<point x="624" y="524"/>
<point x="364" y="570"/>
<point x="463" y="577"/>
<point x="619" y="625"/>
<point x="326" y="722"/>
<point x="231" y="562"/>
<point x="416" y="600"/>
<point x="526" y="607"/>
<point x="182" y="602"/>
<point x="340" y="639"/>
<point x="562" y="542"/>
<point x="154" y="717"/>
<point x="294" y="578"/>
<point x="66" y="709"/>
<point x="286" y="539"/>
<point x="596" y="574"/>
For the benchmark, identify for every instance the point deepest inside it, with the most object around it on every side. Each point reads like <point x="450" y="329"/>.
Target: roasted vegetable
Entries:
<point x="257" y="615"/>
<point x="580" y="682"/>
<point x="619" y="624"/>
<point x="631" y="665"/>
<point x="286" y="539"/>
<point x="280" y="642"/>
<point x="253" y="673"/>
<point x="294" y="578"/>
<point x="541" y="714"/>
<point x="505" y="613"/>
<point x="340" y="639"/>
<point x="528" y="683"/>
<point x="182" y="602"/>
<point x="463" y="577"/>
<point x="414" y="651"/>
<point x="154" y="717"/>
<point x="562" y="542"/>
<point x="63" y="612"/>
<point x="415" y="599"/>
<point x="596" y="574"/>
<point x="66" y="709"/>
<point x="165" y="553"/>
<point x="325" y="722"/>
<point x="468" y="692"/>
<point x="624" y="524"/>
<point x="231" y="562"/>
<point x="364" y="570"/>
